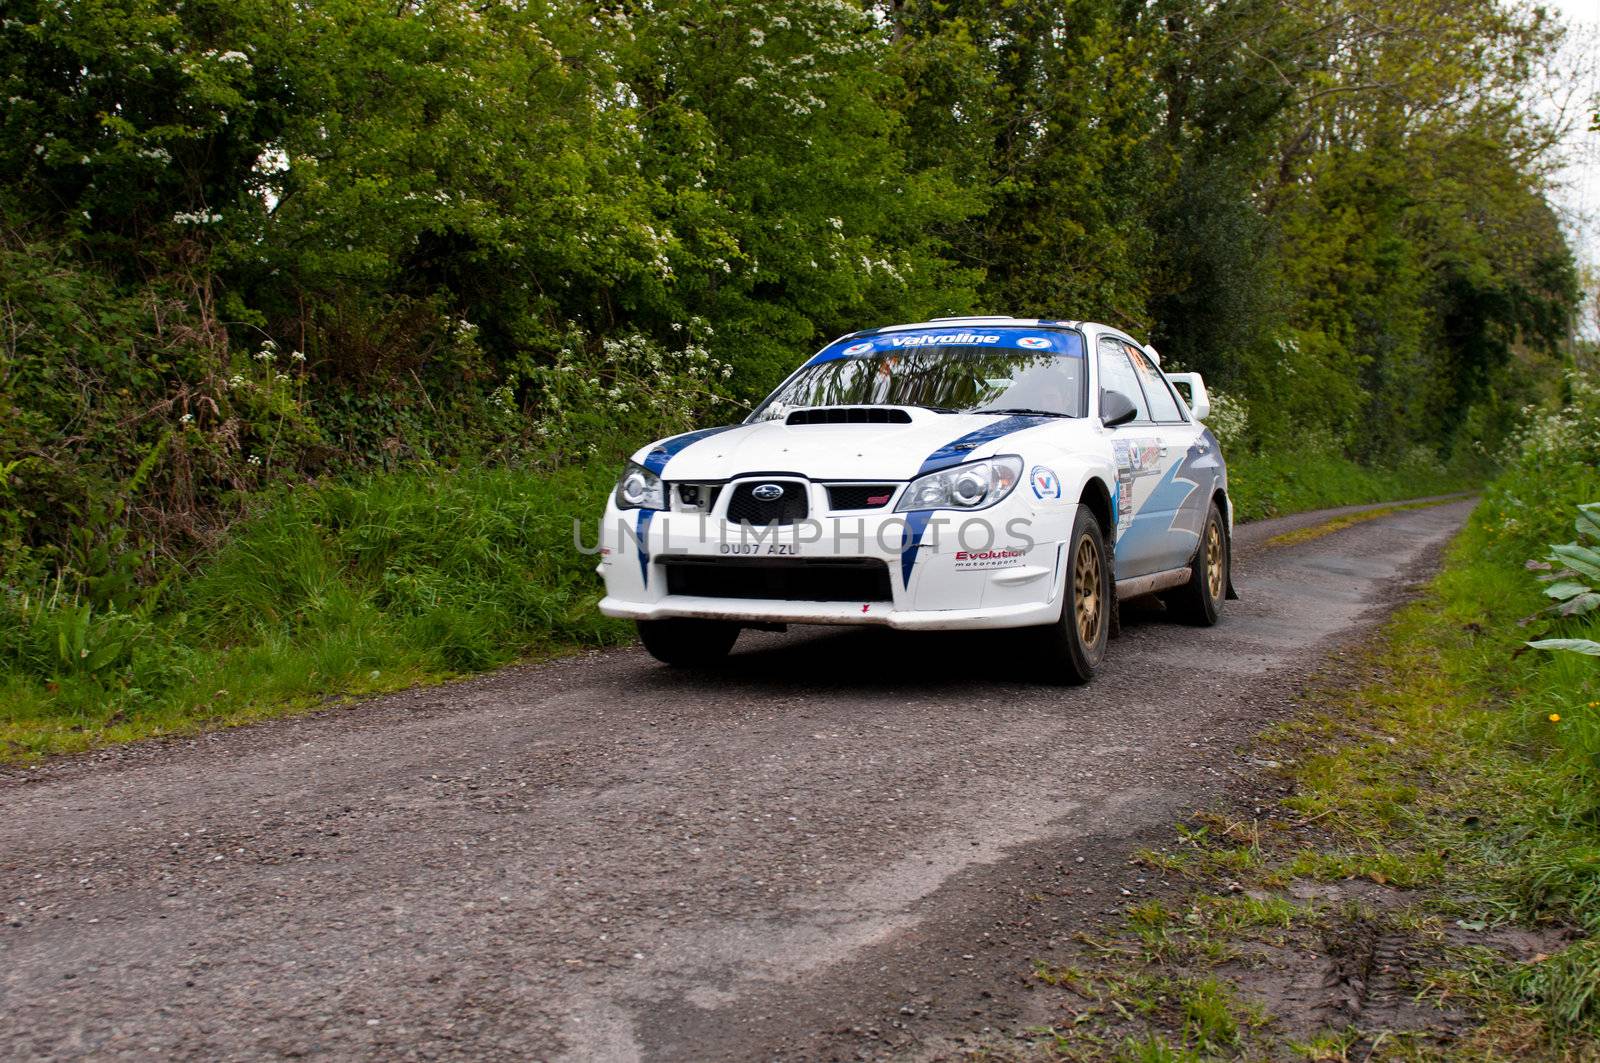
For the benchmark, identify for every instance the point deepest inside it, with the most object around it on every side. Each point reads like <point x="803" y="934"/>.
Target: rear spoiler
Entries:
<point x="1199" y="402"/>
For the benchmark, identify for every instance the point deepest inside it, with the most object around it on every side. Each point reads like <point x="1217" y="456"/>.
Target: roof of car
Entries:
<point x="1001" y="320"/>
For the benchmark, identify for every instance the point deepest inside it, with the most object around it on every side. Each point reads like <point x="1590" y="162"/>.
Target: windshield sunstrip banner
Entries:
<point x="1041" y="340"/>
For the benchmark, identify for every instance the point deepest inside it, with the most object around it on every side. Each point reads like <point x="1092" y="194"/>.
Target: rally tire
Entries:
<point x="687" y="643"/>
<point x="1074" y="646"/>
<point x="1200" y="600"/>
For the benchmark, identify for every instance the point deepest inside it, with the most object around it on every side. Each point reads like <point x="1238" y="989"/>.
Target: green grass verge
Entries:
<point x="1280" y="483"/>
<point x="1449" y="801"/>
<point x="341" y="589"/>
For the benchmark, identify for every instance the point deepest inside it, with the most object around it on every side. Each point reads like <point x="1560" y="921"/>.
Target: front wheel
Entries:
<point x="1200" y="600"/>
<point x="686" y="643"/>
<point x="1073" y="647"/>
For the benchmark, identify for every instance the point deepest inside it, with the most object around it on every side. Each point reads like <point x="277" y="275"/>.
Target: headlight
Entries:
<point x="973" y="486"/>
<point x="640" y="488"/>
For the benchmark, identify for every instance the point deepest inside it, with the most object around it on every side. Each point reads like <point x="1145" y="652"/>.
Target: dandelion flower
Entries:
<point x="1555" y="717"/>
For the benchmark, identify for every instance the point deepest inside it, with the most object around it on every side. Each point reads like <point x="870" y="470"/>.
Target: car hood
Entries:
<point x="843" y="451"/>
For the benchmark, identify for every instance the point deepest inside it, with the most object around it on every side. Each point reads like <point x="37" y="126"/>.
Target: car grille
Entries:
<point x="859" y="496"/>
<point x="789" y="508"/>
<point x="796" y="579"/>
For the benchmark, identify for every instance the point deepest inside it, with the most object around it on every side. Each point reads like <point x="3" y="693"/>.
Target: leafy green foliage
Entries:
<point x="1574" y="582"/>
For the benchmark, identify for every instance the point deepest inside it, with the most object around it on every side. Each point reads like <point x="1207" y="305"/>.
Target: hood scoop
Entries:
<point x="849" y="415"/>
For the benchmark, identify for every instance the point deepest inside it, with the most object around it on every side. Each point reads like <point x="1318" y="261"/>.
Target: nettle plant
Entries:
<point x="1573" y="572"/>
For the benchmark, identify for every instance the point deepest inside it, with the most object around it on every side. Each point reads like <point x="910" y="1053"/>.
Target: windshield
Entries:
<point x="948" y="379"/>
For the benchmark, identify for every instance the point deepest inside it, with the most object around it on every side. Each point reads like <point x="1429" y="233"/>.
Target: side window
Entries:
<point x="1162" y="404"/>
<point x="1117" y="374"/>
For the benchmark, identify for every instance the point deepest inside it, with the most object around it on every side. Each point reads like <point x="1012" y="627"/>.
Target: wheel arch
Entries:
<point x="1097" y="497"/>
<point x="1220" y="496"/>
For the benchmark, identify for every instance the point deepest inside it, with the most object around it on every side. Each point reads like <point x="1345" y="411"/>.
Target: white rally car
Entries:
<point x="981" y="472"/>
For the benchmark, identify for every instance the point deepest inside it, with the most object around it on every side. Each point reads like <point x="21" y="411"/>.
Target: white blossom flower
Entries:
<point x="255" y="459"/>
<point x="187" y="418"/>
<point x="297" y="356"/>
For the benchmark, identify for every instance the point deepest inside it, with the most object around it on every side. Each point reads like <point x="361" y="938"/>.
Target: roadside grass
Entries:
<point x="347" y="589"/>
<point x="343" y="589"/>
<point x="1439" y="827"/>
<point x="1279" y="483"/>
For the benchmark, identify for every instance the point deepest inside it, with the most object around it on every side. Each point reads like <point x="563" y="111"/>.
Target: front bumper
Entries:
<point x="1002" y="567"/>
<point x="746" y="610"/>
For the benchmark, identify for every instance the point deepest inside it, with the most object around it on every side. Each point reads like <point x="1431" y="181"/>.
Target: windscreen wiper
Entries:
<point x="1022" y="410"/>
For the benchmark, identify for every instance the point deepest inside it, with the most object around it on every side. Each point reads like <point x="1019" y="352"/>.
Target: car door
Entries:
<point x="1180" y="500"/>
<point x="1143" y="461"/>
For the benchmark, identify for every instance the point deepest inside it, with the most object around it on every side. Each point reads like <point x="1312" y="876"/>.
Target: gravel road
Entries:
<point x="844" y="844"/>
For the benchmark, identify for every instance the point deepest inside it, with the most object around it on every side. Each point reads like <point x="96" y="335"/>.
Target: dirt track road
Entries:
<point x="845" y="844"/>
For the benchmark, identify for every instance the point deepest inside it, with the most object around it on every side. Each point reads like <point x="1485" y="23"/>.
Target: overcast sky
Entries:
<point x="1579" y="195"/>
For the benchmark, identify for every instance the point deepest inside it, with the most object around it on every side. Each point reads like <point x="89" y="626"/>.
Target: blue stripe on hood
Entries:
<point x="657" y="457"/>
<point x="957" y="450"/>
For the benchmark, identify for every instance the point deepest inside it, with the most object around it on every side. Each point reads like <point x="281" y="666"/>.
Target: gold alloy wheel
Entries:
<point x="1214" y="561"/>
<point x="1086" y="584"/>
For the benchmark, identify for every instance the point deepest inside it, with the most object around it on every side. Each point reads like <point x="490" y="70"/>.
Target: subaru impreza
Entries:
<point x="962" y="473"/>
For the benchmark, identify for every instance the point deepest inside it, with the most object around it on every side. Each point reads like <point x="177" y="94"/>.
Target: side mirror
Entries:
<point x="1116" y="408"/>
<point x="1193" y="390"/>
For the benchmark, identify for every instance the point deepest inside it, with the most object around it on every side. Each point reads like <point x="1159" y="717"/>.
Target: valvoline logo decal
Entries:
<point x="1046" y="484"/>
<point x="1062" y="344"/>
<point x="945" y="339"/>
